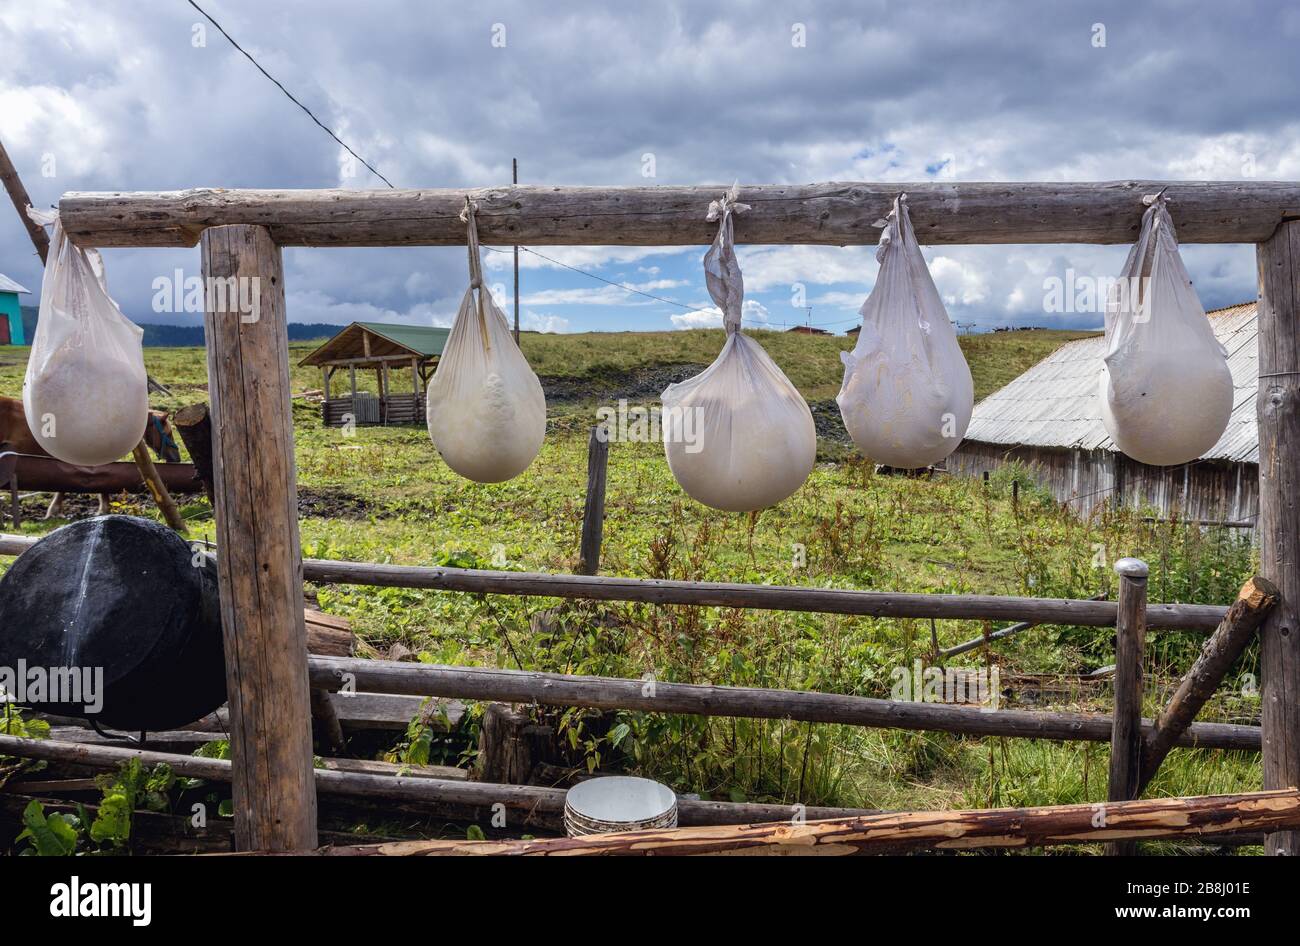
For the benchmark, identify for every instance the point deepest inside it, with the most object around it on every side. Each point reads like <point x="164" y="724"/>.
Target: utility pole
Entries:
<point x="515" y="167"/>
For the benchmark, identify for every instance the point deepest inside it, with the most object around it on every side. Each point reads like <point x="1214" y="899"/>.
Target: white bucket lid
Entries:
<point x="620" y="799"/>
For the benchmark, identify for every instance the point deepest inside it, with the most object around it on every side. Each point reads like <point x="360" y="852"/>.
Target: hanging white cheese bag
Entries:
<point x="85" y="394"/>
<point x="1166" y="391"/>
<point x="907" y="394"/>
<point x="485" y="407"/>
<point x="738" y="435"/>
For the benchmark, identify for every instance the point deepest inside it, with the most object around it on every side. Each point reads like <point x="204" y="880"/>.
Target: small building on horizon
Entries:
<point x="11" y="312"/>
<point x="388" y="350"/>
<point x="1049" y="419"/>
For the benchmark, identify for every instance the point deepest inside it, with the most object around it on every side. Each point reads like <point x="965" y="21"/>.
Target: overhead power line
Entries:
<point x="292" y="98"/>
<point x="279" y="85"/>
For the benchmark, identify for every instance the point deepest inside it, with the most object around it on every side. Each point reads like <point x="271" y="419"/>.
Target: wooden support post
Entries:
<point x="259" y="556"/>
<point x="18" y="194"/>
<point x="505" y="752"/>
<point x="157" y="488"/>
<point x="194" y="425"/>
<point x="9" y="476"/>
<point x="593" y="510"/>
<point x="514" y="170"/>
<point x="1217" y="655"/>
<point x="1278" y="413"/>
<point x="1126" y="728"/>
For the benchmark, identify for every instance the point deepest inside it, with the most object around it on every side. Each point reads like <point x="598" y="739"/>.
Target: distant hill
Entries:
<point x="191" y="336"/>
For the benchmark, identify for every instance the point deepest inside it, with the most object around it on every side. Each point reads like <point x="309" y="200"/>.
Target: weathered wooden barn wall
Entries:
<point x="1207" y="490"/>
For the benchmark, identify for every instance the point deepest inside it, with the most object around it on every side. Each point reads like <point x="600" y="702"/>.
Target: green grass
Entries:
<point x="397" y="502"/>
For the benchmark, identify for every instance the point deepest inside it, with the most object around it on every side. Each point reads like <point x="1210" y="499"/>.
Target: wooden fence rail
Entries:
<point x="436" y="793"/>
<point x="834" y="213"/>
<point x="1190" y="617"/>
<point x="652" y="696"/>
<point x="898" y="832"/>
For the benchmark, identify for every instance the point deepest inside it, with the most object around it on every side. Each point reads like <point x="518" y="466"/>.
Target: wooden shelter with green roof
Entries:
<point x="382" y="348"/>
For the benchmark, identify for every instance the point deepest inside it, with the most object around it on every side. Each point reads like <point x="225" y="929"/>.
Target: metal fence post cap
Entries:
<point x="1131" y="568"/>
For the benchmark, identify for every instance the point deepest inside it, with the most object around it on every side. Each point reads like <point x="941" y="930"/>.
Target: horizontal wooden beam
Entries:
<point x="558" y="689"/>
<point x="762" y="597"/>
<point x="898" y="832"/>
<point x="835" y="214"/>
<point x="1068" y="611"/>
<point x="46" y="474"/>
<point x="415" y="790"/>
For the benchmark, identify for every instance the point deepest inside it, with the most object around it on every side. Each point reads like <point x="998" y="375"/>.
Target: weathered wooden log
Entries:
<point x="892" y="833"/>
<point x="1186" y="617"/>
<point x="834" y="213"/>
<point x="328" y="635"/>
<point x="1218" y="654"/>
<point x="762" y="597"/>
<point x="13" y="185"/>
<point x="654" y="696"/>
<point x="194" y="425"/>
<point x="46" y="474"/>
<point x="505" y="751"/>
<point x="442" y="793"/>
<point x="260" y="560"/>
<point x="593" y="509"/>
<point x="1126" y="727"/>
<point x="1278" y="417"/>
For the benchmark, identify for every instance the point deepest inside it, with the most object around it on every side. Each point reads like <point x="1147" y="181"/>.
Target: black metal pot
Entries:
<point x="124" y="595"/>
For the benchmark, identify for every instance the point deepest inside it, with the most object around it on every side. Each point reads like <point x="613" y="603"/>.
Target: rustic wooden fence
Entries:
<point x="241" y="232"/>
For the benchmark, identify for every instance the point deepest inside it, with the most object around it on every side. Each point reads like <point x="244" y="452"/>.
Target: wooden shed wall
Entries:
<point x="1207" y="490"/>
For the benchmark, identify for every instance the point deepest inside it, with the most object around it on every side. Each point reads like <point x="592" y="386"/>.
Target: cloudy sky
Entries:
<point x="116" y="95"/>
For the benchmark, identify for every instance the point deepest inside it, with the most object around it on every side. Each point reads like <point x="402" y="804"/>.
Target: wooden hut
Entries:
<point x="1049" y="418"/>
<point x="389" y="351"/>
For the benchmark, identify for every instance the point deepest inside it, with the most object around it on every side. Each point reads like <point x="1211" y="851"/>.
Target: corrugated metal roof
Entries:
<point x="1055" y="403"/>
<point x="385" y="339"/>
<point x="423" y="339"/>
<point x="8" y="285"/>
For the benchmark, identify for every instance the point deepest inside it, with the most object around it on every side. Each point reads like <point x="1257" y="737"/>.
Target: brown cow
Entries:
<point x="15" y="432"/>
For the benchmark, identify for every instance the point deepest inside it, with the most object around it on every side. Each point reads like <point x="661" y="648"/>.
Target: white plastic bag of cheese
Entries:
<point x="1166" y="391"/>
<point x="907" y="394"/>
<point x="485" y="408"/>
<point x="85" y="394"/>
<point x="738" y="436"/>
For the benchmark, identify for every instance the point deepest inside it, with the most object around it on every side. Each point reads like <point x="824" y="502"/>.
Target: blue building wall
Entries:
<point x="12" y="311"/>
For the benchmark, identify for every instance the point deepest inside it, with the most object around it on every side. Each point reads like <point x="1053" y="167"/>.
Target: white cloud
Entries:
<point x="958" y="283"/>
<point x="753" y="314"/>
<point x="537" y="322"/>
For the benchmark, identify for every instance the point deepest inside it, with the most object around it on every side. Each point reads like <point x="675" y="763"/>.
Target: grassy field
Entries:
<point x="385" y="495"/>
